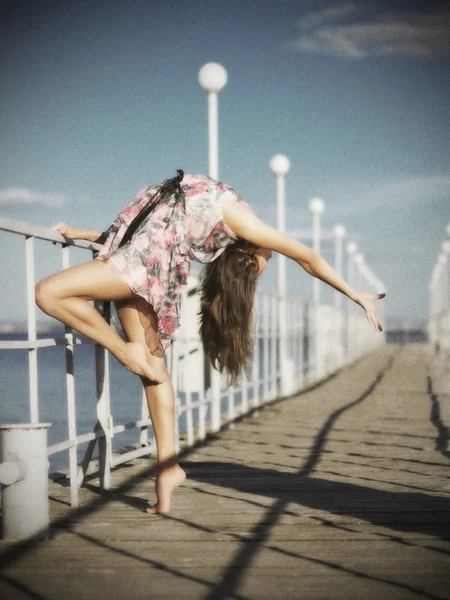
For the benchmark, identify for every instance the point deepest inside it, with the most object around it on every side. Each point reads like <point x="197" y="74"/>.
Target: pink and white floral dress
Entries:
<point x="155" y="263"/>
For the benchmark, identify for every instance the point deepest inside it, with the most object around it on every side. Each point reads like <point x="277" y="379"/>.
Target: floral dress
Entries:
<point x="155" y="263"/>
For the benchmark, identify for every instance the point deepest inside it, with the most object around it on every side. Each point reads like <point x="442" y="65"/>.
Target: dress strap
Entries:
<point x="166" y="189"/>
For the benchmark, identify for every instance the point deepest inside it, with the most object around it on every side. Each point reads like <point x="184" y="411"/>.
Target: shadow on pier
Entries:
<point x="340" y="492"/>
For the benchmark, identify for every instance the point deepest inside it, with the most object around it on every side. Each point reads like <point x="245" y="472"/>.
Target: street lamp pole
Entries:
<point x="316" y="207"/>
<point x="338" y="234"/>
<point x="280" y="165"/>
<point x="213" y="77"/>
<point x="351" y="249"/>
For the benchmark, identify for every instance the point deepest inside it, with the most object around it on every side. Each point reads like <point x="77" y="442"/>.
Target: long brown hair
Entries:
<point x="227" y="294"/>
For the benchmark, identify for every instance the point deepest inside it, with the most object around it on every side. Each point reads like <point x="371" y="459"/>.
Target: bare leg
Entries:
<point x="161" y="404"/>
<point x="66" y="296"/>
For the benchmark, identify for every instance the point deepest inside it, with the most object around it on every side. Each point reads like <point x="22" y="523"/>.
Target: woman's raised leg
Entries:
<point x="141" y="327"/>
<point x="67" y="295"/>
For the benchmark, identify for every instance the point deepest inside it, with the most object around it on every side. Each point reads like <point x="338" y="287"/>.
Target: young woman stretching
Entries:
<point x="143" y="267"/>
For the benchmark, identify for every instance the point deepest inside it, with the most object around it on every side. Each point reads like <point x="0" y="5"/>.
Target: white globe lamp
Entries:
<point x="280" y="164"/>
<point x="212" y="77"/>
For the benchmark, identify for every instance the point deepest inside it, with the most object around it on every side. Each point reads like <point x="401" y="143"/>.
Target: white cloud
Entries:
<point x="349" y="31"/>
<point x="313" y="19"/>
<point x="362" y="197"/>
<point x="25" y="197"/>
<point x="415" y="190"/>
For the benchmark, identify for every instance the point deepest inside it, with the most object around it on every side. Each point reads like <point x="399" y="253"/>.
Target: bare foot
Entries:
<point x="137" y="362"/>
<point x="166" y="483"/>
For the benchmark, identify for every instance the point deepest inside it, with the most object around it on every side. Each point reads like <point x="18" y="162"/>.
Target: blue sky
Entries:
<point x="101" y="98"/>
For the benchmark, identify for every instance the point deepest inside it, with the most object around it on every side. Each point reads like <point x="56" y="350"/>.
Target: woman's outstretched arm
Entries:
<point x="246" y="225"/>
<point x="80" y="234"/>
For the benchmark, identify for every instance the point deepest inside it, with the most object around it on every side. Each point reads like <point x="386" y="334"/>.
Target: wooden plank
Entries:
<point x="337" y="493"/>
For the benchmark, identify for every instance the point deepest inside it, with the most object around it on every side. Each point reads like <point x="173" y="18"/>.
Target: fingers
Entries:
<point x="64" y="230"/>
<point x="372" y="317"/>
<point x="373" y="322"/>
<point x="61" y="228"/>
<point x="367" y="304"/>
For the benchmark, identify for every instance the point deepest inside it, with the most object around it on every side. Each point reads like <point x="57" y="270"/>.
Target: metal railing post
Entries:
<point x="215" y="400"/>
<point x="202" y="408"/>
<point x="256" y="353"/>
<point x="31" y="314"/>
<point x="71" y="405"/>
<point x="275" y="347"/>
<point x="188" y="394"/>
<point x="173" y="366"/>
<point x="104" y="417"/>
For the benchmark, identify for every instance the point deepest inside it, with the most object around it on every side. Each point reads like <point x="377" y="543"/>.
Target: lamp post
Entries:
<point x="351" y="249"/>
<point x="339" y="233"/>
<point x="359" y="279"/>
<point x="213" y="77"/>
<point x="316" y="208"/>
<point x="280" y="165"/>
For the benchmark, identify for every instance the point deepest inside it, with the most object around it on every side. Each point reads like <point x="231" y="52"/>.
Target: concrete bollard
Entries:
<point x="24" y="476"/>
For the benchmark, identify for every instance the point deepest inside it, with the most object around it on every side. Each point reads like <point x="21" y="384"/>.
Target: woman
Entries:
<point x="143" y="267"/>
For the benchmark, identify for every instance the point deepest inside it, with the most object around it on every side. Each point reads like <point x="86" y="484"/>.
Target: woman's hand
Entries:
<point x="79" y="234"/>
<point x="366" y="301"/>
<point x="67" y="231"/>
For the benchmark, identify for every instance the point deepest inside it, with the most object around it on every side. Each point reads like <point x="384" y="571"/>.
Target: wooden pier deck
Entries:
<point x="341" y="492"/>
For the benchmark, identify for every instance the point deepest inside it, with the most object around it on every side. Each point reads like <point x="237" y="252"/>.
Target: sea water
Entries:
<point x="126" y="393"/>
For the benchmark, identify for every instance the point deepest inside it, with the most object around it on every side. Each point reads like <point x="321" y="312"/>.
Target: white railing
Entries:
<point x="314" y="341"/>
<point x="439" y="300"/>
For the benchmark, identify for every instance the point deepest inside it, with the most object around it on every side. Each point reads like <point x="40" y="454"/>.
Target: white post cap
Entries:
<point x="280" y="164"/>
<point x="212" y="77"/>
<point x="446" y="247"/>
<point x="351" y="248"/>
<point x="316" y="206"/>
<point x="339" y="231"/>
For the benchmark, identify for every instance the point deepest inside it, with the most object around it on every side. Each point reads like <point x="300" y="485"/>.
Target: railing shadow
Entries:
<point x="299" y="488"/>
<point x="284" y="489"/>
